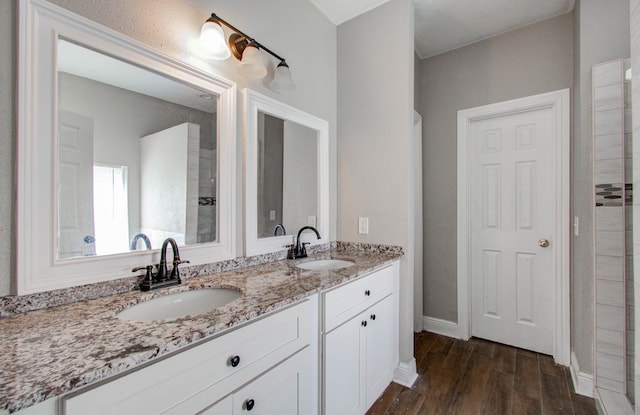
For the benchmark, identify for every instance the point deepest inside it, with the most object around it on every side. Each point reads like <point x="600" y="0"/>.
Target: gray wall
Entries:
<point x="7" y="143"/>
<point x="375" y="126"/>
<point x="601" y="34"/>
<point x="171" y="27"/>
<point x="270" y="168"/>
<point x="300" y="183"/>
<point x="531" y="60"/>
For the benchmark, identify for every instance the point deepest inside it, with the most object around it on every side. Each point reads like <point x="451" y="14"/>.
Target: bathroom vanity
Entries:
<point x="297" y="341"/>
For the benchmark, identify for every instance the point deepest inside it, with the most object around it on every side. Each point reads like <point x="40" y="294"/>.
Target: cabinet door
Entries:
<point x="380" y="348"/>
<point x="344" y="368"/>
<point x="284" y="390"/>
<point x="222" y="407"/>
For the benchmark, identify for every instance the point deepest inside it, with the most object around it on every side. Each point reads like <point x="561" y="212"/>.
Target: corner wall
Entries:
<point x="375" y="128"/>
<point x="601" y="35"/>
<point x="8" y="116"/>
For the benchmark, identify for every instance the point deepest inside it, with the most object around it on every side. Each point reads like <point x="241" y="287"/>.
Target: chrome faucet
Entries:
<point x="281" y="227"/>
<point x="299" y="250"/>
<point x="160" y="279"/>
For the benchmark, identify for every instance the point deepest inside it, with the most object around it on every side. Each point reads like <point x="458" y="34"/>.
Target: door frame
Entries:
<point x="558" y="102"/>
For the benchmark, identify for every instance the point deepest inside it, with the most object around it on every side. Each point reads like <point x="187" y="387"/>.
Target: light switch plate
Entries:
<point x="363" y="226"/>
<point x="272" y="215"/>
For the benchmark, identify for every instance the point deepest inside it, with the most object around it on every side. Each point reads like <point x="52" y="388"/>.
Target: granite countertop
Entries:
<point x="49" y="352"/>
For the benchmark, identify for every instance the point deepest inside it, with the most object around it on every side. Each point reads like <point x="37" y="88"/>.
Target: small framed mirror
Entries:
<point x="119" y="148"/>
<point x="287" y="174"/>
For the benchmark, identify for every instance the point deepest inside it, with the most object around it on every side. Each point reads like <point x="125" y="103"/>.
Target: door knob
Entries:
<point x="543" y="243"/>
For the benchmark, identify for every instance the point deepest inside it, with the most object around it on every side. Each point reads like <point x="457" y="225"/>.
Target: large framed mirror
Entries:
<point x="287" y="174"/>
<point x="119" y="148"/>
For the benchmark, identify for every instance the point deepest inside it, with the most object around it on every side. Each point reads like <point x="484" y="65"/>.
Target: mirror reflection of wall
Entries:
<point x="287" y="176"/>
<point x="106" y="107"/>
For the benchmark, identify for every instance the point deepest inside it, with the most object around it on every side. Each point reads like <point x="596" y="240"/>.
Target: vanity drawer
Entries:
<point x="160" y="386"/>
<point x="352" y="298"/>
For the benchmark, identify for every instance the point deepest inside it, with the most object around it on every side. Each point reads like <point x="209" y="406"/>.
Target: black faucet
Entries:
<point x="160" y="279"/>
<point x="281" y="227"/>
<point x="299" y="250"/>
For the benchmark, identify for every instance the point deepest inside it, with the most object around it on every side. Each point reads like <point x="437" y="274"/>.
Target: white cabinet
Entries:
<point x="381" y="347"/>
<point x="344" y="363"/>
<point x="191" y="381"/>
<point x="222" y="407"/>
<point x="284" y="390"/>
<point x="361" y="350"/>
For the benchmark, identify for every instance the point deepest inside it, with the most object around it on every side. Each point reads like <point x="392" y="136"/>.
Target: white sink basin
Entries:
<point x="326" y="264"/>
<point x="180" y="304"/>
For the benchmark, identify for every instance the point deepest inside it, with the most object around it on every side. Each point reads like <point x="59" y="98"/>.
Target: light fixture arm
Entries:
<point x="249" y="39"/>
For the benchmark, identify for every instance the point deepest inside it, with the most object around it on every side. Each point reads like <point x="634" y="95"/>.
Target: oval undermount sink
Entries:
<point x="326" y="264"/>
<point x="180" y="304"/>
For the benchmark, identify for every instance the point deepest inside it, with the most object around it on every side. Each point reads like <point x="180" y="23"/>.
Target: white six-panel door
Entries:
<point x="75" y="201"/>
<point x="511" y="221"/>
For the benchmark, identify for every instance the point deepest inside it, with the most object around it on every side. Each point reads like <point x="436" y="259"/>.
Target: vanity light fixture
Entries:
<point x="246" y="49"/>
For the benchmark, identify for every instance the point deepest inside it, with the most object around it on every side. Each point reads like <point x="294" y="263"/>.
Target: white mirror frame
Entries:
<point x="38" y="268"/>
<point x="254" y="103"/>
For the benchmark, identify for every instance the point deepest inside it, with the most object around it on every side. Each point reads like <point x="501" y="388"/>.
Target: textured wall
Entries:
<point x="7" y="147"/>
<point x="375" y="126"/>
<point x="308" y="42"/>
<point x="531" y="60"/>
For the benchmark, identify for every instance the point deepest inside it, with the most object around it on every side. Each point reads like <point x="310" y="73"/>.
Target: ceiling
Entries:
<point x="444" y="25"/>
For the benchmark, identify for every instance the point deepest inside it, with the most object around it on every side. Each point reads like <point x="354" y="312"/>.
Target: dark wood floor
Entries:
<point x="482" y="377"/>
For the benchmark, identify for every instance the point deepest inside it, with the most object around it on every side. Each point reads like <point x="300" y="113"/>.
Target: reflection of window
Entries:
<point x="110" y="212"/>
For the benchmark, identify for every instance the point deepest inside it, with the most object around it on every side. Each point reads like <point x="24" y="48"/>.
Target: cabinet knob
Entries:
<point x="234" y="361"/>
<point x="249" y="404"/>
<point x="364" y="323"/>
<point x="373" y="316"/>
<point x="367" y="293"/>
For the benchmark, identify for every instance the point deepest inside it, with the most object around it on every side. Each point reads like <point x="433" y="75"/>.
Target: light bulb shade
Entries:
<point x="282" y="78"/>
<point x="252" y="63"/>
<point x="213" y="41"/>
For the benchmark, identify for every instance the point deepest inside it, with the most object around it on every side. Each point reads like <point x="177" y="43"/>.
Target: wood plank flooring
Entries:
<point x="482" y="377"/>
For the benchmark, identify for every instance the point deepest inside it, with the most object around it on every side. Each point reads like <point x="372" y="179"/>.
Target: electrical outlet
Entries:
<point x="363" y="226"/>
<point x="272" y="215"/>
<point x="576" y="226"/>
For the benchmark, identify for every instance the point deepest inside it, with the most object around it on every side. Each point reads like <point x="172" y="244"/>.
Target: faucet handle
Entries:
<point x="291" y="252"/>
<point x="303" y="250"/>
<point x="175" y="274"/>
<point x="148" y="276"/>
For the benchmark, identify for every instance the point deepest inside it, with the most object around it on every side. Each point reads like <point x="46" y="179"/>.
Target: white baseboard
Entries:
<point x="582" y="382"/>
<point x="406" y="373"/>
<point x="612" y="403"/>
<point x="439" y="326"/>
